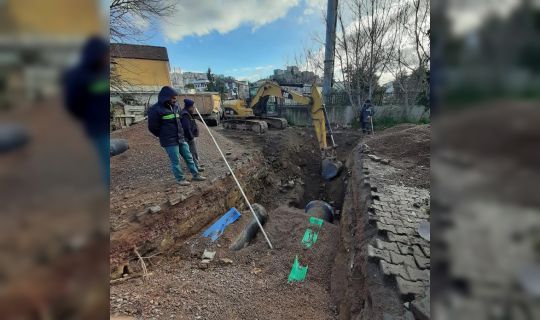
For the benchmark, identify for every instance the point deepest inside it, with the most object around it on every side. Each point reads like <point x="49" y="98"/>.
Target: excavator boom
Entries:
<point x="314" y="101"/>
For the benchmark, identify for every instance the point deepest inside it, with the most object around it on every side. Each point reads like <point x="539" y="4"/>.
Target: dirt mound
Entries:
<point x="408" y="146"/>
<point x="253" y="286"/>
<point x="403" y="143"/>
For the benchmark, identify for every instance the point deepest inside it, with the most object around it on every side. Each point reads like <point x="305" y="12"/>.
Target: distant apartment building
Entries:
<point x="198" y="79"/>
<point x="293" y="75"/>
<point x="235" y="89"/>
<point x="200" y="85"/>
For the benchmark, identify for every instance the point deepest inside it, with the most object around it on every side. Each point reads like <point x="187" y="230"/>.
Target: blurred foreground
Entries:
<point x="485" y="160"/>
<point x="54" y="229"/>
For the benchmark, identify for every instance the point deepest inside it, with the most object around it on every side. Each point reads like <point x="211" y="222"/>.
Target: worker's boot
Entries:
<point x="183" y="182"/>
<point x="198" y="178"/>
<point x="200" y="169"/>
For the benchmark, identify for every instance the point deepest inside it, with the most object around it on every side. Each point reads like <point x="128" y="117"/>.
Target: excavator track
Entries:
<point x="258" y="126"/>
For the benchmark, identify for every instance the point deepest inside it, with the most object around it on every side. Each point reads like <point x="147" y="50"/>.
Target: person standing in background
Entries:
<point x="365" y="116"/>
<point x="191" y="131"/>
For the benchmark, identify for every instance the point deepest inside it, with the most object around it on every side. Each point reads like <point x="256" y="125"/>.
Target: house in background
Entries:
<point x="199" y="85"/>
<point x="235" y="89"/>
<point x="138" y="72"/>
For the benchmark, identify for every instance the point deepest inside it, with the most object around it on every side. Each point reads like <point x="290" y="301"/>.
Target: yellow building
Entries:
<point x="51" y="18"/>
<point x="138" y="73"/>
<point x="139" y="68"/>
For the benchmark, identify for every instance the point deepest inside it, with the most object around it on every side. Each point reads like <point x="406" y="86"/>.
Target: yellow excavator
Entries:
<point x="252" y="114"/>
<point x="254" y="117"/>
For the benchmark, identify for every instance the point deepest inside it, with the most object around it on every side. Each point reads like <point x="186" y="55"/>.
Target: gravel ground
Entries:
<point x="142" y="176"/>
<point x="253" y="285"/>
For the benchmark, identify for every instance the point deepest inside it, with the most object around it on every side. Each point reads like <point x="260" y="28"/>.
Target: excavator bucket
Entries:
<point x="330" y="168"/>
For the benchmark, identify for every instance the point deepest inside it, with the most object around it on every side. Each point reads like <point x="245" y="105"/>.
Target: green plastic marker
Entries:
<point x="312" y="233"/>
<point x="298" y="273"/>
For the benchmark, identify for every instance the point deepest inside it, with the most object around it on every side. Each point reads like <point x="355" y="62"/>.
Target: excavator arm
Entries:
<point x="315" y="101"/>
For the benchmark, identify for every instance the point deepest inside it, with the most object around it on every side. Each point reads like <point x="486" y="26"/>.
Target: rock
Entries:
<point x="208" y="255"/>
<point x="226" y="260"/>
<point x="203" y="264"/>
<point x="228" y="153"/>
<point x="374" y="158"/>
<point x="154" y="209"/>
<point x="176" y="199"/>
<point x="409" y="316"/>
<point x="385" y="161"/>
<point x="139" y="215"/>
<point x="421" y="308"/>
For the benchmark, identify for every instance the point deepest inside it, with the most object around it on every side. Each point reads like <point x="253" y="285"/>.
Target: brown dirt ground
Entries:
<point x="408" y="147"/>
<point x="141" y="176"/>
<point x="254" y="286"/>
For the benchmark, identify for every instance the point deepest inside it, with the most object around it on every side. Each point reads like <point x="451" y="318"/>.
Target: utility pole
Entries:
<point x="331" y="20"/>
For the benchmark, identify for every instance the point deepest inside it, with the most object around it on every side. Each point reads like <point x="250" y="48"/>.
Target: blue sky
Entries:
<point x="246" y="42"/>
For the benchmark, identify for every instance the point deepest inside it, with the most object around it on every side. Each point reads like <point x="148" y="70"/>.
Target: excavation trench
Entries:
<point x="283" y="176"/>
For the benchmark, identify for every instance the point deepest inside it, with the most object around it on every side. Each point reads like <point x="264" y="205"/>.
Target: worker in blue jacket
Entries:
<point x="366" y="114"/>
<point x="191" y="131"/>
<point x="164" y="122"/>
<point x="86" y="96"/>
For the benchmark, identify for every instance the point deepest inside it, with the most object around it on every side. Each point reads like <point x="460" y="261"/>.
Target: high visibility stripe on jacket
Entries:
<point x="169" y="116"/>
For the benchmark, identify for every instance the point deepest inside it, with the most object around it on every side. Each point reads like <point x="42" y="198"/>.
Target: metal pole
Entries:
<point x="236" y="180"/>
<point x="331" y="21"/>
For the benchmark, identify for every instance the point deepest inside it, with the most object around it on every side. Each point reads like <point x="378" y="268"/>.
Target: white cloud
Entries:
<point x="201" y="17"/>
<point x="314" y="6"/>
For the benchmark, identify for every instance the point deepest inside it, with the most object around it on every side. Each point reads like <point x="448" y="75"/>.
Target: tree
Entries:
<point x="410" y="58"/>
<point x="126" y="18"/>
<point x="364" y="45"/>
<point x="211" y="87"/>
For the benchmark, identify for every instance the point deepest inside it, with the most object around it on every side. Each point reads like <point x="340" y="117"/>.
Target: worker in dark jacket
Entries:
<point x="86" y="96"/>
<point x="164" y="122"/>
<point x="365" y="116"/>
<point x="191" y="131"/>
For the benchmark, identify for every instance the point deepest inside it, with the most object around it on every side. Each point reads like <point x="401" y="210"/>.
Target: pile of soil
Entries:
<point x="408" y="147"/>
<point x="253" y="286"/>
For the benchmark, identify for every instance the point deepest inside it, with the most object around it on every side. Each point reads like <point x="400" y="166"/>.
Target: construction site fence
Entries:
<point x="347" y="116"/>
